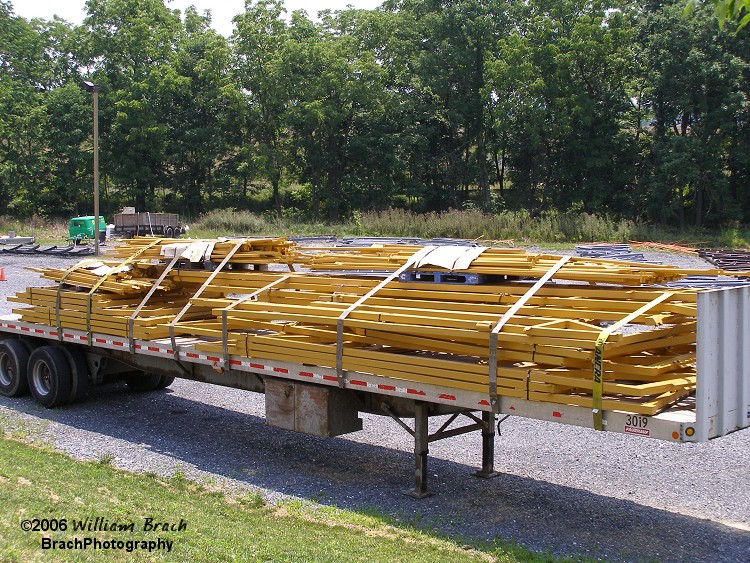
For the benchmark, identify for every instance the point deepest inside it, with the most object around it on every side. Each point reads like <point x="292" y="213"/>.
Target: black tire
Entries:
<point x="14" y="359"/>
<point x="169" y="232"/>
<point x="80" y="380"/>
<point x="165" y="381"/>
<point x="49" y="376"/>
<point x="31" y="344"/>
<point x="143" y="382"/>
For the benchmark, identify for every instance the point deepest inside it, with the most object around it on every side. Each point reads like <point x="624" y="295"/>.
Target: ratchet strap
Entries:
<point x="414" y="258"/>
<point x="504" y="320"/>
<point x="225" y="311"/>
<point x="157" y="283"/>
<point x="599" y="356"/>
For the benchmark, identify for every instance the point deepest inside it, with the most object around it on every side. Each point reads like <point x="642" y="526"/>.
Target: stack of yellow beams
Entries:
<point x="502" y="262"/>
<point x="253" y="250"/>
<point x="417" y="332"/>
<point x="439" y="334"/>
<point x="107" y="310"/>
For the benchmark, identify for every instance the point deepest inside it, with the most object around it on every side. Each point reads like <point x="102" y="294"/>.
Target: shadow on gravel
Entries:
<point x="369" y="478"/>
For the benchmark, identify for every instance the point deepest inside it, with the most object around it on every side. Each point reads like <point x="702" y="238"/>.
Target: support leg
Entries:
<point x="488" y="447"/>
<point x="420" y="452"/>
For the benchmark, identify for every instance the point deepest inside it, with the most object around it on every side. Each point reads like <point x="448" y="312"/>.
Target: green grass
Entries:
<point x="43" y="484"/>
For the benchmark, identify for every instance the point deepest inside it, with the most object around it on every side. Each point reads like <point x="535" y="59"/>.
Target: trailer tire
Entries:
<point x="31" y="344"/>
<point x="169" y="232"/>
<point x="143" y="382"/>
<point x="49" y="376"/>
<point x="80" y="380"/>
<point x="165" y="381"/>
<point x="14" y="359"/>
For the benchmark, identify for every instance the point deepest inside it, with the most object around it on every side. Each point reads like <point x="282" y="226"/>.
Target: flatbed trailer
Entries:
<point x="323" y="401"/>
<point x="147" y="223"/>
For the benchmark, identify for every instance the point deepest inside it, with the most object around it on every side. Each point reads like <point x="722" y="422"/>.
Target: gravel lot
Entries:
<point x="562" y="489"/>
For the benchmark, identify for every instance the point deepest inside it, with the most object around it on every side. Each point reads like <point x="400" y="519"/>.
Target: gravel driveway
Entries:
<point x="562" y="489"/>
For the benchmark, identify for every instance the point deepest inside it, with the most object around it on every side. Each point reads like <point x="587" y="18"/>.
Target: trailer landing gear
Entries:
<point x="488" y="447"/>
<point x="422" y="438"/>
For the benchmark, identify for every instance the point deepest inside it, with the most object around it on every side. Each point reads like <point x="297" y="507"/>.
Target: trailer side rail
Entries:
<point x="677" y="424"/>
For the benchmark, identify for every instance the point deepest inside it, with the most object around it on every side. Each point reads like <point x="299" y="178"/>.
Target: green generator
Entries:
<point x="82" y="229"/>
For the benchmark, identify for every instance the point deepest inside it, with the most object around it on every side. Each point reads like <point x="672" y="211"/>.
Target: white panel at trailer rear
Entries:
<point x="723" y="362"/>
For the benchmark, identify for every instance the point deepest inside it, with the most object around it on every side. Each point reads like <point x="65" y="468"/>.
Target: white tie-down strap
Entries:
<point x="451" y="257"/>
<point x="198" y="251"/>
<point x="100" y="269"/>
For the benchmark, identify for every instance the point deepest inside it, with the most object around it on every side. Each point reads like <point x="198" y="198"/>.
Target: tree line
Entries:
<point x="630" y="109"/>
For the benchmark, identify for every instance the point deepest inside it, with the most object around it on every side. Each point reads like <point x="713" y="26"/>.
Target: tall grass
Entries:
<point x="46" y="229"/>
<point x="517" y="226"/>
<point x="236" y="222"/>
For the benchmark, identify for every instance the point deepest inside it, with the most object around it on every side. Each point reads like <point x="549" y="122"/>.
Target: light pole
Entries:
<point x="94" y="89"/>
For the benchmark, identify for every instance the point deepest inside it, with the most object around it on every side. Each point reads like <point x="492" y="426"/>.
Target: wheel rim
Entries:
<point x="6" y="370"/>
<point x="41" y="378"/>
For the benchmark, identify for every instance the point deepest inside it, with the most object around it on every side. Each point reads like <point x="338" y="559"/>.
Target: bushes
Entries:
<point x="231" y="222"/>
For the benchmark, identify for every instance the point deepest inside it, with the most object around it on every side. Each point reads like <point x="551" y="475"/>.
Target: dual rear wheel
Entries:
<point x="57" y="375"/>
<point x="14" y="357"/>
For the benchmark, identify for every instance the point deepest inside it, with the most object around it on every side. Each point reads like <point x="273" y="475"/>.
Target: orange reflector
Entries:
<point x="676" y="435"/>
<point x="689" y="431"/>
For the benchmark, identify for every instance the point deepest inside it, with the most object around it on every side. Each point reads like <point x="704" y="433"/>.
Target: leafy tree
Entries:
<point x="196" y="96"/>
<point x="259" y="38"/>
<point x="336" y="107"/>
<point x="129" y="45"/>
<point x="34" y="61"/>
<point x="560" y="101"/>
<point x="697" y="86"/>
<point x="736" y="12"/>
<point x="68" y="110"/>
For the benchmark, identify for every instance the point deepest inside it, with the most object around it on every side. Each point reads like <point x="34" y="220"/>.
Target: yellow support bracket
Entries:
<point x="105" y="277"/>
<point x="249" y="297"/>
<point x="157" y="283"/>
<point x="67" y="273"/>
<point x="198" y="293"/>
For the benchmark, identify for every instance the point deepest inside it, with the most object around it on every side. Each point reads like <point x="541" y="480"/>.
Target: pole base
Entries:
<point x="486" y="474"/>
<point x="416" y="494"/>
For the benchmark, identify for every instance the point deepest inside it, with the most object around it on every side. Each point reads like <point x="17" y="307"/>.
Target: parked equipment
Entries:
<point x="82" y="229"/>
<point x="130" y="223"/>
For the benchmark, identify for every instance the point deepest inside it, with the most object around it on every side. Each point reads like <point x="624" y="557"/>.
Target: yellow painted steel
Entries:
<point x="414" y="331"/>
